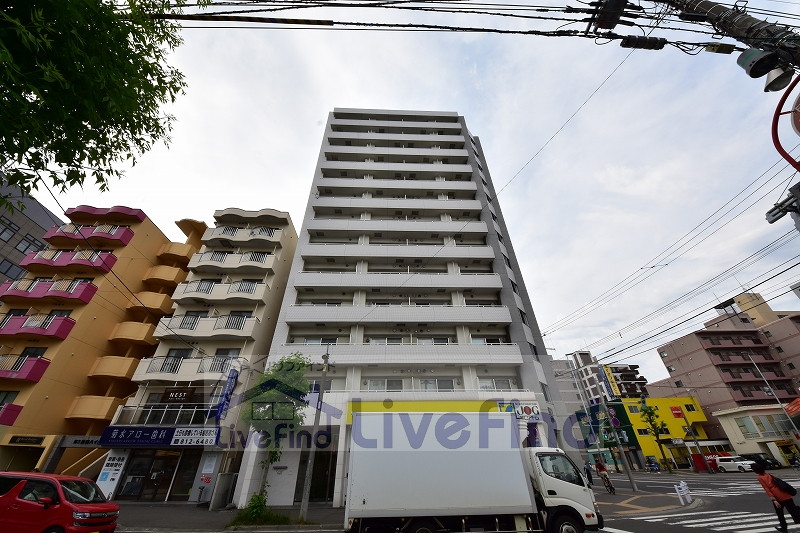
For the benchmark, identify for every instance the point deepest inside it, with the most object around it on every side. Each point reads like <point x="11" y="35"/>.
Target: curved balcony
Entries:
<point x="255" y="262"/>
<point x="118" y="213"/>
<point x="61" y="291"/>
<point x="23" y="367"/>
<point x="114" y="367"/>
<point x="172" y="369"/>
<point x="228" y="327"/>
<point x="36" y="326"/>
<point x="176" y="252"/>
<point x="152" y="302"/>
<point x="134" y="332"/>
<point x="164" y="276"/>
<point x="9" y="413"/>
<point x="101" y="235"/>
<point x="69" y="261"/>
<point x="233" y="293"/>
<point x="94" y="407"/>
<point x="258" y="237"/>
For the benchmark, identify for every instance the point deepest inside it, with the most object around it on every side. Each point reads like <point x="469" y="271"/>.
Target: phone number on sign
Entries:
<point x="194" y="441"/>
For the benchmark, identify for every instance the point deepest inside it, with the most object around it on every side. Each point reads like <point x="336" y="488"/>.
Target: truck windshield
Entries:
<point x="82" y="492"/>
<point x="560" y="467"/>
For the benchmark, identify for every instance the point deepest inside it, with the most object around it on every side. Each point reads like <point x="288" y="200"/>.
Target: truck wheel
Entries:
<point x="423" y="526"/>
<point x="564" y="524"/>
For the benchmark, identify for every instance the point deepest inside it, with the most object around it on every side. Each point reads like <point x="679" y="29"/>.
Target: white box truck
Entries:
<point x="437" y="472"/>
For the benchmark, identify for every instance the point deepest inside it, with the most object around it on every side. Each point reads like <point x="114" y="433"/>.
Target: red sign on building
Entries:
<point x="677" y="412"/>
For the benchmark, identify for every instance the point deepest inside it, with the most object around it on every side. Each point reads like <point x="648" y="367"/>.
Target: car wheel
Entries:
<point x="741" y="469"/>
<point x="564" y="524"/>
<point x="54" y="530"/>
<point x="722" y="469"/>
<point x="423" y="526"/>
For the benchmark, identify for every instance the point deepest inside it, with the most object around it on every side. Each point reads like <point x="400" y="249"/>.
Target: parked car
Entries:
<point x="767" y="460"/>
<point x="733" y="463"/>
<point x="35" y="502"/>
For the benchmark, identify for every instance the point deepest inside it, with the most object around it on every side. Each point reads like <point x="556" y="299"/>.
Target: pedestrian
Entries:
<point x="780" y="499"/>
<point x="588" y="469"/>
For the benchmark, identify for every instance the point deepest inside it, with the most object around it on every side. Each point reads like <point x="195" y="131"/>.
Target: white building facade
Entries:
<point x="405" y="276"/>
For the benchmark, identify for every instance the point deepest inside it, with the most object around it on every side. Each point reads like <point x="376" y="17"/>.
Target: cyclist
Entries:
<point x="601" y="469"/>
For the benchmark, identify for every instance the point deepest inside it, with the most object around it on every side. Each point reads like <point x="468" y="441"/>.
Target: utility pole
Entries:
<point x="313" y="450"/>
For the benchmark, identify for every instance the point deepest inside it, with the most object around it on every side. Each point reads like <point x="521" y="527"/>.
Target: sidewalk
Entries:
<point x="141" y="517"/>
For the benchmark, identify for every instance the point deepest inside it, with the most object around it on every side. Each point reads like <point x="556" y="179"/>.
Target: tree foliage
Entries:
<point x="278" y="399"/>
<point x="655" y="427"/>
<point x="81" y="87"/>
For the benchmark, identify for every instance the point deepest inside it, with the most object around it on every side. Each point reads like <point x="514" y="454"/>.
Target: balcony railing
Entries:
<point x="103" y="261"/>
<point x="165" y="414"/>
<point x="113" y="233"/>
<point x="23" y="367"/>
<point x="39" y="324"/>
<point x="65" y="289"/>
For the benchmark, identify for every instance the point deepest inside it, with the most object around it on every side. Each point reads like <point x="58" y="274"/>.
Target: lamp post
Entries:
<point x="313" y="450"/>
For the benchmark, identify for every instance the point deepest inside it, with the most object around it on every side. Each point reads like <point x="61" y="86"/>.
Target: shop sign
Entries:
<point x="80" y="441"/>
<point x="25" y="439"/>
<point x="158" y="436"/>
<point x="677" y="411"/>
<point x="177" y="395"/>
<point x="522" y="410"/>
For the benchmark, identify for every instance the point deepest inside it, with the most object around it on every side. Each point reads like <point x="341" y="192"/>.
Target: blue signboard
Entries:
<point x="125" y="436"/>
<point x="227" y="392"/>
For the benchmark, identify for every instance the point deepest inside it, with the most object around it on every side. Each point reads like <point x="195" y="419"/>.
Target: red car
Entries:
<point x="50" y="503"/>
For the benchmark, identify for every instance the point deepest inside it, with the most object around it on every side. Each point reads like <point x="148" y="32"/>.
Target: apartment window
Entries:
<point x="670" y="368"/>
<point x="191" y="318"/>
<point x="663" y="354"/>
<point x="29" y="243"/>
<point x="321" y="340"/>
<point x="642" y="432"/>
<point x="10" y="269"/>
<point x="501" y="384"/>
<point x="633" y="409"/>
<point x="744" y="319"/>
<point x="7" y="396"/>
<point x="689" y="408"/>
<point x="7" y="229"/>
<point x="500" y="238"/>
<point x="385" y="385"/>
<point x="534" y="351"/>
<point x="33" y="351"/>
<point x="679" y="383"/>
<point x="779" y="349"/>
<point x="523" y="317"/>
<point x="507" y="261"/>
<point x="514" y="287"/>
<point x="435" y="384"/>
<point x="790" y="366"/>
<point x="767" y="333"/>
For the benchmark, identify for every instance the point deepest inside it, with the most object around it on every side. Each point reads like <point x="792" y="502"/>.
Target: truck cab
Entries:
<point x="562" y="492"/>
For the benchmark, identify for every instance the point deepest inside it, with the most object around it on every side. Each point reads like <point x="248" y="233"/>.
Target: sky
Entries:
<point x="608" y="161"/>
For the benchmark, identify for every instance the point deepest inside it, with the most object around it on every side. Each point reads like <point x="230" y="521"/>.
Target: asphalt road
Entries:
<point x="727" y="503"/>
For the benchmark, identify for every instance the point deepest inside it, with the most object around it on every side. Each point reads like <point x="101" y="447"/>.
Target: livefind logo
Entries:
<point x="435" y="431"/>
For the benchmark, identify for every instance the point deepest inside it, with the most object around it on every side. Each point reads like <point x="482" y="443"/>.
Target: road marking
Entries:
<point x="741" y="522"/>
<point x="664" y="516"/>
<point x="613" y="530"/>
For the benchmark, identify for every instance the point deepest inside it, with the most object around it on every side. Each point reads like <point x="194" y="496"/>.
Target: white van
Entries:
<point x="732" y="463"/>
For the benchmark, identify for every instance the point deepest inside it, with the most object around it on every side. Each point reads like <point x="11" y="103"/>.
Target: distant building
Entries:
<point x="746" y="357"/>
<point x="21" y="231"/>
<point x="612" y="381"/>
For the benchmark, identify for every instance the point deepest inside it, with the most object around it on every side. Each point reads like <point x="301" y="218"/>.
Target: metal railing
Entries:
<point x="165" y="414"/>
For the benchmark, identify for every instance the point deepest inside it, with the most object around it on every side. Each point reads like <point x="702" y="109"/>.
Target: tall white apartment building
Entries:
<point x="405" y="276"/>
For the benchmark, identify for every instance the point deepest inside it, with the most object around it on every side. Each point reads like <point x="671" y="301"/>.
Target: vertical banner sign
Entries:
<point x="227" y="392"/>
<point x="611" y="384"/>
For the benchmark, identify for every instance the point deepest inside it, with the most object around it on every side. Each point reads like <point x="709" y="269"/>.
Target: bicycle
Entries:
<point x="607" y="483"/>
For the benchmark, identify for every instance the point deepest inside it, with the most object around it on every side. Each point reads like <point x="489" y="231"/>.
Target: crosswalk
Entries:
<point x="724" y="521"/>
<point x="723" y="489"/>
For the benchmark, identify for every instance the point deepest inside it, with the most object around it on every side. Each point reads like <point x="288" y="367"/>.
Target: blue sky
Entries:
<point x="658" y="142"/>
